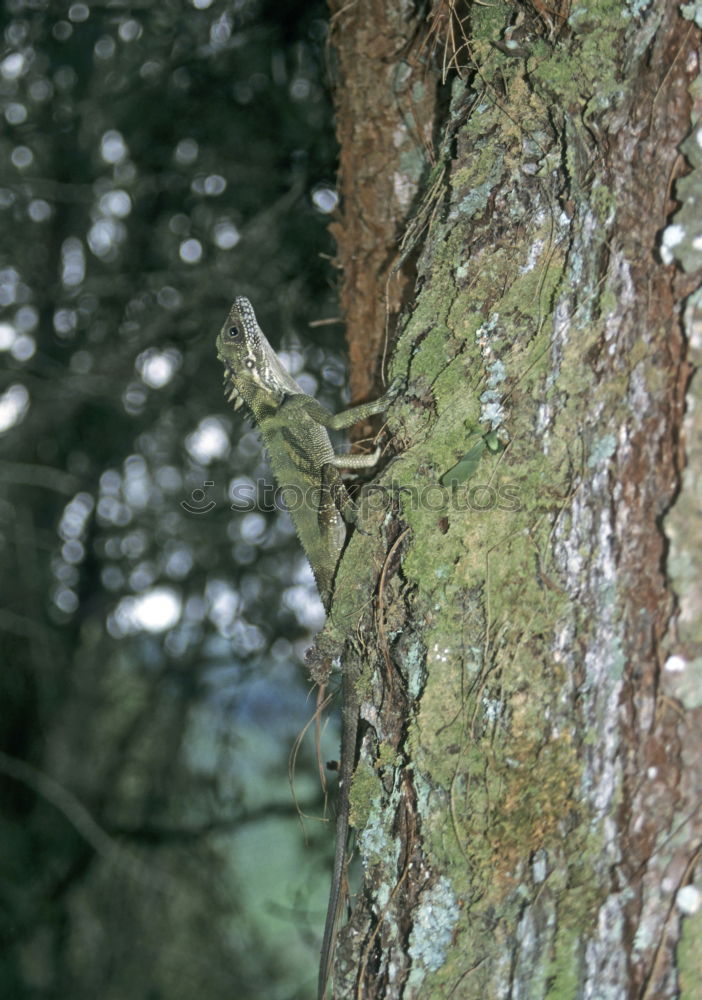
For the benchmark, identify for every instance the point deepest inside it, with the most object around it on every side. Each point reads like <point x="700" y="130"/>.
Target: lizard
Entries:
<point x="295" y="430"/>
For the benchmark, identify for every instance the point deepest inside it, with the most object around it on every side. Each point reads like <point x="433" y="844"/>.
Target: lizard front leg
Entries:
<point x="347" y="418"/>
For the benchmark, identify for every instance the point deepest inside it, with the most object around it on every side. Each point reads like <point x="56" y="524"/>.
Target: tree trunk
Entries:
<point x="527" y="795"/>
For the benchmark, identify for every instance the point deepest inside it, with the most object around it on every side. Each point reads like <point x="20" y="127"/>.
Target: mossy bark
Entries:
<point x="527" y="794"/>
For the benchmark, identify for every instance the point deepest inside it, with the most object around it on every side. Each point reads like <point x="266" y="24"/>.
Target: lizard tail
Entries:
<point x="336" y="900"/>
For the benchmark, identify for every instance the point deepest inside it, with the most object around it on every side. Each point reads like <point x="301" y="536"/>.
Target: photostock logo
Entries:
<point x="265" y="497"/>
<point x="478" y="498"/>
<point x="198" y="497"/>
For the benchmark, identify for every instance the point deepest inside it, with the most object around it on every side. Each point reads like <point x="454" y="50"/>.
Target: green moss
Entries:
<point x="364" y="796"/>
<point x="603" y="202"/>
<point x="564" y="969"/>
<point x="690" y="957"/>
<point x="488" y="20"/>
<point x="597" y="27"/>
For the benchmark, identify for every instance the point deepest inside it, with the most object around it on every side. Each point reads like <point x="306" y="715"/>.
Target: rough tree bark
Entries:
<point x="527" y="795"/>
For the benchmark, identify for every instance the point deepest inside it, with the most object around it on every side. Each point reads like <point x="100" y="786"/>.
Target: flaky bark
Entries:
<point x="528" y="793"/>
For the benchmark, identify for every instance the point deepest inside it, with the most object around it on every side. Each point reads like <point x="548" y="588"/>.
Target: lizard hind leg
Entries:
<point x="333" y="484"/>
<point x="354" y="512"/>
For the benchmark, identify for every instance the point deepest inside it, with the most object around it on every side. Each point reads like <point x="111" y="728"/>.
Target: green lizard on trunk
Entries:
<point x="294" y="427"/>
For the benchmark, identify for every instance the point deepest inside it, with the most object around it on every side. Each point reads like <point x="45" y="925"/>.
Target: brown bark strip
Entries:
<point x="656" y="788"/>
<point x="385" y="95"/>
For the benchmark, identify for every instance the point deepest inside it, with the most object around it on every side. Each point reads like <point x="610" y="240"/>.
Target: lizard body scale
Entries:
<point x="294" y="427"/>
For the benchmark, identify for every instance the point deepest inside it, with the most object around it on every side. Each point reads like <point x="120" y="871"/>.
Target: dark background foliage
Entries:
<point x="155" y="159"/>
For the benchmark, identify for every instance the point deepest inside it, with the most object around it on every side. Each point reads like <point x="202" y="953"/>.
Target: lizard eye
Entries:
<point x="233" y="331"/>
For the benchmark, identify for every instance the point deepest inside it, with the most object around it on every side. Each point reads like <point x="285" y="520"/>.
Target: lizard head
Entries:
<point x="252" y="372"/>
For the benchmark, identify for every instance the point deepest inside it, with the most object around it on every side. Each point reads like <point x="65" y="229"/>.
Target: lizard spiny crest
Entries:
<point x="253" y="373"/>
